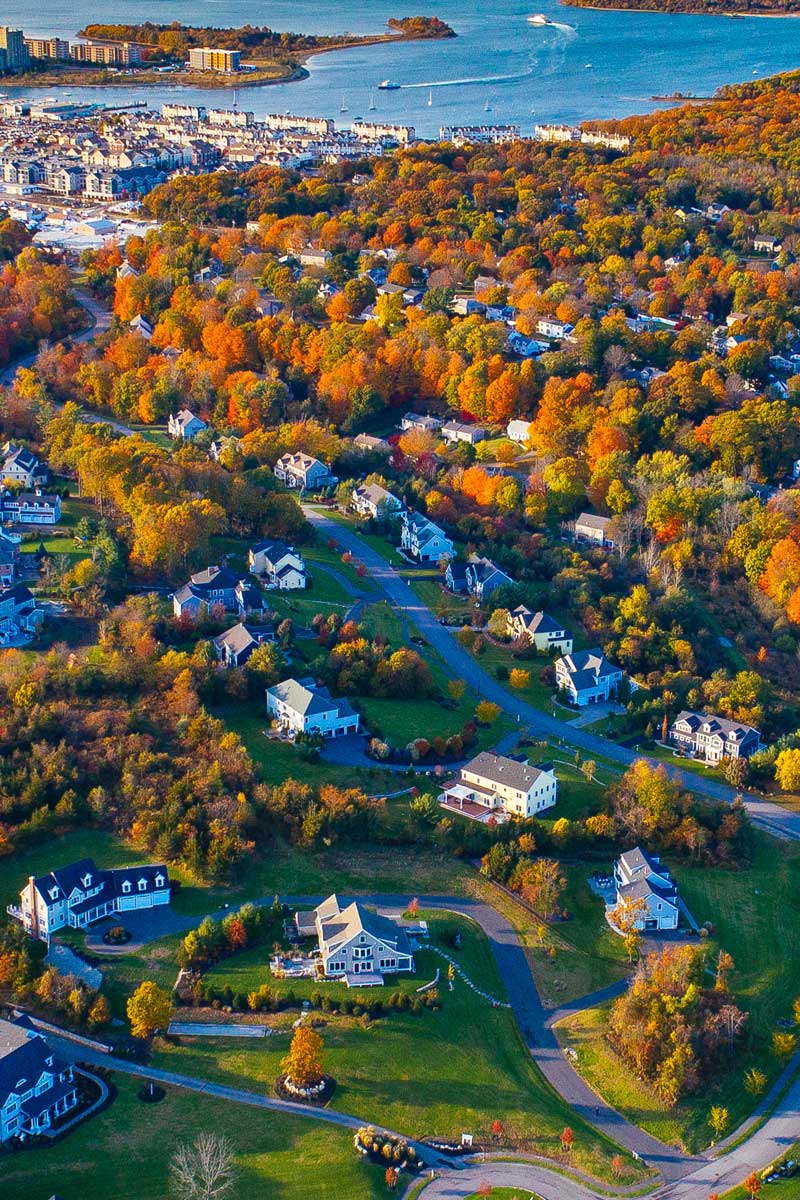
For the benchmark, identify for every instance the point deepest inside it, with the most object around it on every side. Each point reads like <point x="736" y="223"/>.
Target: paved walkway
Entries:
<point x="768" y="815"/>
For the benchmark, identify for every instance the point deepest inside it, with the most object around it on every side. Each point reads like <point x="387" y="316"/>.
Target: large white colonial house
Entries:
<point x="640" y="878"/>
<point x="35" y="1087"/>
<point x="80" y="894"/>
<point x="423" y="540"/>
<point x="588" y="677"/>
<point x="713" y="738"/>
<point x="372" y="500"/>
<point x="303" y="472"/>
<point x="356" y="944"/>
<point x="544" y="631"/>
<point x="493" y="787"/>
<point x="279" y="565"/>
<point x="20" y="465"/>
<point x="303" y="706"/>
<point x="30" y="508"/>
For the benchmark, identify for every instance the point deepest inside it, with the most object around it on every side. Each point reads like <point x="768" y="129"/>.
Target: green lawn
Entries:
<point x="755" y="918"/>
<point x="277" y="1156"/>
<point x="431" y="1073"/>
<point x="785" y="1189"/>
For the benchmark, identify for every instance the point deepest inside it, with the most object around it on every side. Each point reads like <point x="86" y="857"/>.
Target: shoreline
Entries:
<point x="295" y="72"/>
<point x="739" y="14"/>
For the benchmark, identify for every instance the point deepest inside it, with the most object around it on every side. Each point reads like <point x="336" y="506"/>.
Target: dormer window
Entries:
<point x="159" y="881"/>
<point x="53" y="893"/>
<point x="126" y="887"/>
<point x="87" y="881"/>
<point x="142" y="885"/>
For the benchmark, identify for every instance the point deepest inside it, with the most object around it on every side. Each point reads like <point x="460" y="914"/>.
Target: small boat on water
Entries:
<point x="588" y="66"/>
<point x="343" y="106"/>
<point x="388" y="85"/>
<point x="430" y="99"/>
<point x="372" y="104"/>
<point x="539" y="19"/>
<point x="487" y="107"/>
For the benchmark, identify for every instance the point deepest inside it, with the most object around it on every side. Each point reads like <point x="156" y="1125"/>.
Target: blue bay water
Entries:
<point x="499" y="68"/>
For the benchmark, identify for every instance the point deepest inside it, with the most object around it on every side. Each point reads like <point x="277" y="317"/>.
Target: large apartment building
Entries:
<point x="212" y="59"/>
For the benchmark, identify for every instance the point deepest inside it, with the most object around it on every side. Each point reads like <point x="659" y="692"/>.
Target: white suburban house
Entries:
<point x="30" y="508"/>
<point x="713" y="738"/>
<point x="303" y="706"/>
<point x="80" y="894"/>
<point x="519" y="431"/>
<point x="372" y="445"/>
<point x="423" y="540"/>
<point x="216" y="587"/>
<point x="478" y="576"/>
<point x="424" y="423"/>
<point x="36" y="1087"/>
<point x="357" y="944"/>
<point x="493" y="787"/>
<point x="235" y="645"/>
<point x="279" y="565"/>
<point x="19" y="616"/>
<point x="588" y="677"/>
<point x="594" y="529"/>
<point x="185" y="426"/>
<point x="551" y="328"/>
<point x="21" y="466"/>
<point x="304" y="472"/>
<point x="639" y="876"/>
<point x="372" y="500"/>
<point x="544" y="631"/>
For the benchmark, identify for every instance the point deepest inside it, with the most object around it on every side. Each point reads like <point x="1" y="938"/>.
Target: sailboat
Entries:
<point x="372" y="104"/>
<point x="487" y="107"/>
<point x="343" y="106"/>
<point x="430" y="99"/>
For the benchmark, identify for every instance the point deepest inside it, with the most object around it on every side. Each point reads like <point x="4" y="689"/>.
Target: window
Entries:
<point x="142" y="885"/>
<point x="159" y="881"/>
<point x="126" y="887"/>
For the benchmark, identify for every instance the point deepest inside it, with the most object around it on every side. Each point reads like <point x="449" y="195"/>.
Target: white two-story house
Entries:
<point x="303" y="706"/>
<point x="80" y="894"/>
<point x="713" y="738"/>
<point x="36" y="1087"/>
<point x="303" y="472"/>
<point x="372" y="500"/>
<point x="358" y="945"/>
<point x="588" y="677"/>
<point x="279" y="565"/>
<point x="423" y="540"/>
<point x="545" y="632"/>
<point x="493" y="787"/>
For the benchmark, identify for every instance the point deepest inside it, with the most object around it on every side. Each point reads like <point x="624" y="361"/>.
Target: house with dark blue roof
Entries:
<point x="36" y="1087"/>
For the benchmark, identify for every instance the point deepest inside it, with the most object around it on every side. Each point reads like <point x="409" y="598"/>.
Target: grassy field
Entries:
<point x="277" y="1156"/>
<point x="755" y="918"/>
<point x="430" y="1073"/>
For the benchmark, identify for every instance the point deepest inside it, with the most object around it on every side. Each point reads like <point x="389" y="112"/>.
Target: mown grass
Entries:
<point x="755" y="918"/>
<point x="127" y="1149"/>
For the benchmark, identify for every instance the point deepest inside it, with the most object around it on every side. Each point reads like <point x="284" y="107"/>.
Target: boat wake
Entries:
<point x="432" y="83"/>
<point x="569" y="30"/>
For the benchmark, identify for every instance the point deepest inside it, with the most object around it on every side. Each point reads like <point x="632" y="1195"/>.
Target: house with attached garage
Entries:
<point x="494" y="788"/>
<point x="185" y="426"/>
<point x="640" y="878"/>
<point x="372" y="500"/>
<point x="358" y="945"/>
<point x="36" y="1087"/>
<point x="544" y="631"/>
<point x="459" y="431"/>
<point x="425" y="423"/>
<point x="278" y="564"/>
<point x="303" y="706"/>
<point x="303" y="472"/>
<point x="30" y="508"/>
<point x="235" y="645"/>
<point x="216" y="587"/>
<point x="21" y="466"/>
<point x="713" y="738"/>
<point x="588" y="677"/>
<point x="423" y="540"/>
<point x="80" y="894"/>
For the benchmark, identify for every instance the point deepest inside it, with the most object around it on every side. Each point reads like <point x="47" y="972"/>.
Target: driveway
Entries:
<point x="768" y="815"/>
<point x="144" y="925"/>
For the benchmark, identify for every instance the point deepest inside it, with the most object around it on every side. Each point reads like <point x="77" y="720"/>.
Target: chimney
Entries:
<point x="34" y="907"/>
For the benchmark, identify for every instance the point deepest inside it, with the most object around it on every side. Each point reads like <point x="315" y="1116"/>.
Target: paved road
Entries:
<point x="770" y="816"/>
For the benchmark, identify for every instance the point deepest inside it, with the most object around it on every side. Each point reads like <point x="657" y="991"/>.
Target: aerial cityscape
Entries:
<point x="400" y="601"/>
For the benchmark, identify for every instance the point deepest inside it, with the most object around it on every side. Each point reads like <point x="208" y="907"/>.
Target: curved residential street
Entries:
<point x="768" y="815"/>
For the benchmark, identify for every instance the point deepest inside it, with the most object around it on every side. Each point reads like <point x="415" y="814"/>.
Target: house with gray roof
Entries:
<point x="235" y="645"/>
<point x="595" y="530"/>
<point x="713" y="738"/>
<point x="358" y="945"/>
<point x="80" y="894"/>
<point x="303" y="472"/>
<point x="545" y="632"/>
<point x="641" y="879"/>
<point x="372" y="500"/>
<point x="588" y="677"/>
<point x="20" y="465"/>
<point x="423" y="540"/>
<point x="492" y="787"/>
<point x="304" y="706"/>
<point x="185" y="426"/>
<point x="216" y="587"/>
<point x="278" y="564"/>
<point x="36" y="1087"/>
